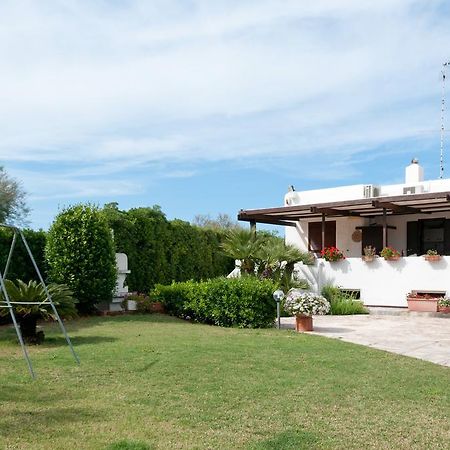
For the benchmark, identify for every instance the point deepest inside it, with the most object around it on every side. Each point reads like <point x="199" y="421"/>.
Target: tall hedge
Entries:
<point x="162" y="251"/>
<point x="243" y="302"/>
<point x="21" y="266"/>
<point x="80" y="253"/>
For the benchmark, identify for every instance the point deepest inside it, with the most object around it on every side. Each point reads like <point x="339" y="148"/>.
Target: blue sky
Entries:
<point x="211" y="106"/>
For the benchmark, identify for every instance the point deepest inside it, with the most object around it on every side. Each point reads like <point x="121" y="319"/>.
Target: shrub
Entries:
<point x="28" y="313"/>
<point x="80" y="253"/>
<point x="161" y="251"/>
<point x="143" y="303"/>
<point x="242" y="302"/>
<point x="21" y="266"/>
<point x="342" y="303"/>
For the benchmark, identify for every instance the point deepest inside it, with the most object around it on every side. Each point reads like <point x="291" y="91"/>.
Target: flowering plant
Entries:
<point x="432" y="253"/>
<point x="389" y="252"/>
<point x="370" y="251"/>
<point x="298" y="303"/>
<point x="332" y="254"/>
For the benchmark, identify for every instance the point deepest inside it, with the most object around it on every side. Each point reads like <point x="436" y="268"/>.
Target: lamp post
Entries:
<point x="278" y="295"/>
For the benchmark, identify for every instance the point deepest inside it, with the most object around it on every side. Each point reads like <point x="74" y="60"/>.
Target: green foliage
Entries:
<point x="12" y="200"/>
<point x="342" y="303"/>
<point x="267" y="256"/>
<point x="61" y="295"/>
<point x="242" y="302"/>
<point x="21" y="266"/>
<point x="143" y="303"/>
<point x="80" y="253"/>
<point x="161" y="251"/>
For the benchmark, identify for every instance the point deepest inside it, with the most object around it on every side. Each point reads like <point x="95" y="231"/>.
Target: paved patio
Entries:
<point x="425" y="338"/>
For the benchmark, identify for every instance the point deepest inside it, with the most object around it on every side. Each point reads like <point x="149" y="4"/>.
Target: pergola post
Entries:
<point x="385" y="230"/>
<point x="253" y="226"/>
<point x="323" y="231"/>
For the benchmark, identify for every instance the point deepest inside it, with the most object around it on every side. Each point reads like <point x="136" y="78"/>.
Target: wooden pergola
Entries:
<point x="288" y="216"/>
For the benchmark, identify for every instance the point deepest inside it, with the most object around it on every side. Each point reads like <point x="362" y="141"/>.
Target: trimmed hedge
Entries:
<point x="21" y="266"/>
<point x="161" y="251"/>
<point x="244" y="302"/>
<point x="80" y="253"/>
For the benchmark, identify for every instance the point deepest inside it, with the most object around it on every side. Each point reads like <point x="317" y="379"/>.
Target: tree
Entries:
<point x="12" y="200"/>
<point x="265" y="255"/>
<point x="221" y="222"/>
<point x="80" y="253"/>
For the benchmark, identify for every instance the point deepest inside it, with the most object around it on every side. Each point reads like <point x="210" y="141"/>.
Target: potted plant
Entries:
<point x="432" y="255"/>
<point x="332" y="254"/>
<point x="390" y="254"/>
<point x="444" y="305"/>
<point x="28" y="313"/>
<point x="423" y="302"/>
<point x="303" y="305"/>
<point x="370" y="253"/>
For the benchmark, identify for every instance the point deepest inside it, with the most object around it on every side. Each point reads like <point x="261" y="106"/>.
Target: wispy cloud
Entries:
<point x="114" y="86"/>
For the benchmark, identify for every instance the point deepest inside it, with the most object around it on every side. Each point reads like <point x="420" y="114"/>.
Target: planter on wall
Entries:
<point x="393" y="258"/>
<point x="444" y="309"/>
<point x="303" y="323"/>
<point x="423" y="304"/>
<point x="368" y="258"/>
<point x="432" y="258"/>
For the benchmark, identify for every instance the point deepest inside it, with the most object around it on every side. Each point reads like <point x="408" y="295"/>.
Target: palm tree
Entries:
<point x="243" y="245"/>
<point x="28" y="314"/>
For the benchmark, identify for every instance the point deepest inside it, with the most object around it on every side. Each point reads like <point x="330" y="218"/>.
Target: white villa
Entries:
<point x="412" y="217"/>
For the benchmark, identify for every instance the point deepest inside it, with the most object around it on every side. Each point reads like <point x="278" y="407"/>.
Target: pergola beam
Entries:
<point x="333" y="211"/>
<point x="399" y="209"/>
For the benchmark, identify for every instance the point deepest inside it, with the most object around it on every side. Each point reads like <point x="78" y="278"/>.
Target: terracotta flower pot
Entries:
<point x="303" y="323"/>
<point x="368" y="258"/>
<point x="432" y="258"/>
<point x="444" y="309"/>
<point x="423" y="305"/>
<point x="393" y="258"/>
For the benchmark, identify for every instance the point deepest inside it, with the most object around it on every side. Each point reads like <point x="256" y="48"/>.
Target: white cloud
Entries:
<point x="112" y="86"/>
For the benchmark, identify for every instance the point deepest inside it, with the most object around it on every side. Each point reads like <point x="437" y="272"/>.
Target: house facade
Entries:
<point x="412" y="217"/>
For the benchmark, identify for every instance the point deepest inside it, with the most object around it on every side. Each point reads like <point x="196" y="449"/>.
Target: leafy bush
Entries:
<point x="21" y="266"/>
<point x="80" y="253"/>
<point x="144" y="303"/>
<point x="242" y="302"/>
<point x="342" y="303"/>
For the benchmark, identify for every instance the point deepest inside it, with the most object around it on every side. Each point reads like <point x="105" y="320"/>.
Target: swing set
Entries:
<point x="7" y="303"/>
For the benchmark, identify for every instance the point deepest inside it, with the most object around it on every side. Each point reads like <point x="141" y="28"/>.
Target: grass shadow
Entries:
<point x="287" y="440"/>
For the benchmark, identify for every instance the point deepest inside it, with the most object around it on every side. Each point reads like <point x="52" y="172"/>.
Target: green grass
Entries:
<point x="154" y="382"/>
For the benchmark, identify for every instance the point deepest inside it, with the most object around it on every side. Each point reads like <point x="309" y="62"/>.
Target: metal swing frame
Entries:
<point x="7" y="303"/>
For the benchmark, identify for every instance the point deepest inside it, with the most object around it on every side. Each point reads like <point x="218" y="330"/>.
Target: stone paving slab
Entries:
<point x="425" y="338"/>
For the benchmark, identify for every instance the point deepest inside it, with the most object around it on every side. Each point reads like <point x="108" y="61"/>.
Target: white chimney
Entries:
<point x="413" y="173"/>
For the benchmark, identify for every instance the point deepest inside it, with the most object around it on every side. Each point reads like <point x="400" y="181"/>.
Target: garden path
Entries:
<point x="425" y="338"/>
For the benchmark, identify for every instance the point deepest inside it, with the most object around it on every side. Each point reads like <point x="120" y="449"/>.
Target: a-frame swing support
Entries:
<point x="7" y="303"/>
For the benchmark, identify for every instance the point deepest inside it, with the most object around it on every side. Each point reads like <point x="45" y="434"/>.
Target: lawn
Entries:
<point x="156" y="382"/>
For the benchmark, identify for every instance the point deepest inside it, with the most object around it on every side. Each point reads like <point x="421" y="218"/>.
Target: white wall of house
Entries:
<point x="381" y="283"/>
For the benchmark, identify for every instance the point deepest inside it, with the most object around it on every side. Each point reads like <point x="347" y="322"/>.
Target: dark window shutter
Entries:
<point x="315" y="235"/>
<point x="373" y="237"/>
<point x="447" y="237"/>
<point x="412" y="238"/>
